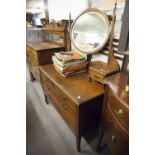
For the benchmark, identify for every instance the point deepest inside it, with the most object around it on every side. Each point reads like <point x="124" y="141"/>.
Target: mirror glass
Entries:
<point x="90" y="31"/>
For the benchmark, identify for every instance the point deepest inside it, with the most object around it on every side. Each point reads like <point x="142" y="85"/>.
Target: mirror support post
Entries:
<point x="89" y="56"/>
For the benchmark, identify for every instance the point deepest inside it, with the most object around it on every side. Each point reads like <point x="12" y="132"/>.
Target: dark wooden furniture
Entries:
<point x="114" y="125"/>
<point x="55" y="39"/>
<point x="76" y="99"/>
<point x="40" y="53"/>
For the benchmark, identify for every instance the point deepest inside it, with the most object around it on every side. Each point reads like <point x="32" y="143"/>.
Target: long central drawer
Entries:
<point x="65" y="106"/>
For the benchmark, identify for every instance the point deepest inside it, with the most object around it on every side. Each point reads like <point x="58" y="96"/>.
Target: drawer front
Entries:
<point x="32" y="53"/>
<point x="37" y="74"/>
<point x="28" y="51"/>
<point x="33" y="63"/>
<point x="119" y="111"/>
<point x="69" y="120"/>
<point x="35" y="71"/>
<point x="96" y="75"/>
<point x="61" y="101"/>
<point x="60" y="93"/>
<point x="116" y="139"/>
<point x="48" y="85"/>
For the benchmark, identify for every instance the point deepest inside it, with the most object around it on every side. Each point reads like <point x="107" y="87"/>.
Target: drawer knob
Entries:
<point x="78" y="97"/>
<point x="119" y="112"/>
<point x="113" y="138"/>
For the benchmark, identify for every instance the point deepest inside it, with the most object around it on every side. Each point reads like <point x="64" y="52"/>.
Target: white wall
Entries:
<point x="34" y="4"/>
<point x="59" y="9"/>
<point x="109" y="4"/>
<point x="35" y="7"/>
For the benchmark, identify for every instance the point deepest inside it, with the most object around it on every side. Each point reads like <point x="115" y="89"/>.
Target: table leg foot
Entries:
<point x="78" y="142"/>
<point x="46" y="99"/>
<point x="32" y="77"/>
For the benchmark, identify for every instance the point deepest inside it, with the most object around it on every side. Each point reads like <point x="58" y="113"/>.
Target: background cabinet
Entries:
<point x="39" y="54"/>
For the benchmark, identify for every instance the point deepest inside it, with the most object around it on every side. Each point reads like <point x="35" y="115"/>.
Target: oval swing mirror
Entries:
<point x="90" y="31"/>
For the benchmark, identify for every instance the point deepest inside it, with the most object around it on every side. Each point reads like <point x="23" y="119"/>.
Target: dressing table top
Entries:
<point x="76" y="87"/>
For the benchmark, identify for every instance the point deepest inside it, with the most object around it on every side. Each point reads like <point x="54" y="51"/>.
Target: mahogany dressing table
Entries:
<point x="78" y="100"/>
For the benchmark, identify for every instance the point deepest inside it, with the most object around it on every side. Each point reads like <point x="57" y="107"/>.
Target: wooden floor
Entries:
<point x="47" y="133"/>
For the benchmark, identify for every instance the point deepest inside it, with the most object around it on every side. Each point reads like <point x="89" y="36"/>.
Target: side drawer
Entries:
<point x="117" y="139"/>
<point x="119" y="111"/>
<point x="94" y="74"/>
<point x="28" y="51"/>
<point x="34" y="69"/>
<point x="32" y="53"/>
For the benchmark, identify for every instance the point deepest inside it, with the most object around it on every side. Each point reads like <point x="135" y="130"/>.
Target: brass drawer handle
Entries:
<point x="119" y="112"/>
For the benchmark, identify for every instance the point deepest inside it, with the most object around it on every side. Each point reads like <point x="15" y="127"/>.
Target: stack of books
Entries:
<point x="69" y="63"/>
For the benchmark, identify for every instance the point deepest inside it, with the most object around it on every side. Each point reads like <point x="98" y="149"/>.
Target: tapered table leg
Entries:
<point x="46" y="99"/>
<point x="99" y="142"/>
<point x="32" y="77"/>
<point x="78" y="142"/>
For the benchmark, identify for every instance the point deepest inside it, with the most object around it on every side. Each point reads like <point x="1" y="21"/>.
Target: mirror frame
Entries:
<point x="103" y="14"/>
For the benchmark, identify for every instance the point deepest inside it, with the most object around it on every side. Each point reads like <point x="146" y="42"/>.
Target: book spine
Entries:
<point x="74" y="73"/>
<point x="69" y="74"/>
<point x="75" y="68"/>
<point x="65" y="58"/>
